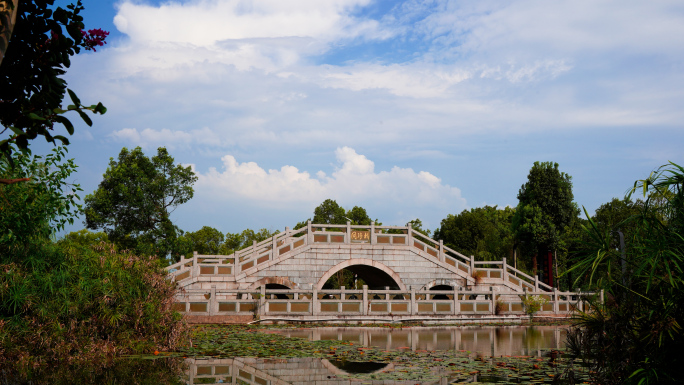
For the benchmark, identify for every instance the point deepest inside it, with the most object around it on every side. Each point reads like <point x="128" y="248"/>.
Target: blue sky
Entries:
<point x="411" y="109"/>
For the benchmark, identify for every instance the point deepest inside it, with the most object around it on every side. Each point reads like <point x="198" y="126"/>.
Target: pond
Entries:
<point x="472" y="345"/>
<point x="341" y="355"/>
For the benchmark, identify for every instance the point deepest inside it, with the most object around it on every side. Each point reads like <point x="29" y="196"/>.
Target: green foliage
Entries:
<point x="545" y="207"/>
<point x="85" y="238"/>
<point x="484" y="232"/>
<point x="329" y="212"/>
<point x="358" y="216"/>
<point x="636" y="337"/>
<point x="545" y="213"/>
<point x="32" y="86"/>
<point x="69" y="302"/>
<point x="532" y="303"/>
<point x="135" y="198"/>
<point x="417" y="225"/>
<point x="206" y="240"/>
<point x="39" y="207"/>
<point x="246" y="238"/>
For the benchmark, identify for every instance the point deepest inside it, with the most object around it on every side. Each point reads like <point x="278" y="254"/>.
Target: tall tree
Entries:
<point x="545" y="209"/>
<point x="135" y="199"/>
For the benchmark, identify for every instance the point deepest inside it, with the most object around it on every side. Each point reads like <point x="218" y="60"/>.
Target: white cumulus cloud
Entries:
<point x="354" y="179"/>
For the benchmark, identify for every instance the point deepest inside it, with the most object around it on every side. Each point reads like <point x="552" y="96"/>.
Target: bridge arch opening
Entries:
<point x="441" y="288"/>
<point x="359" y="272"/>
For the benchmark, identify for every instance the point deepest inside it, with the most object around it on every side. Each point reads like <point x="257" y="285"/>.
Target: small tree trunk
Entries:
<point x="555" y="259"/>
<point x="8" y="18"/>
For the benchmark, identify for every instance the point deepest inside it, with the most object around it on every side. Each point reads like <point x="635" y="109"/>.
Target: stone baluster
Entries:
<point x="441" y="251"/>
<point x="314" y="303"/>
<point x="347" y="239"/>
<point x="213" y="303"/>
<point x="409" y="234"/>
<point x="262" y="300"/>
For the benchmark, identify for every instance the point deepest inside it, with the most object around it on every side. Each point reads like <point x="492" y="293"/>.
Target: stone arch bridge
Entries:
<point x="408" y="276"/>
<point x="391" y="257"/>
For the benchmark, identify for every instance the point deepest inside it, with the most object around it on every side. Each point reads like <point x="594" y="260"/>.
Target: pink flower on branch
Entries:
<point x="94" y="38"/>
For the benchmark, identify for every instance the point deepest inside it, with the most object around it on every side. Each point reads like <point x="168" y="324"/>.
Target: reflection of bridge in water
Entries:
<point x="278" y="371"/>
<point x="490" y="341"/>
<point x="479" y="341"/>
<point x="414" y="267"/>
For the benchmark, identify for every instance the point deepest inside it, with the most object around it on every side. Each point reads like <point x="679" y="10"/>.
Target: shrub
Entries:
<point x="532" y="304"/>
<point x="68" y="302"/>
<point x="65" y="300"/>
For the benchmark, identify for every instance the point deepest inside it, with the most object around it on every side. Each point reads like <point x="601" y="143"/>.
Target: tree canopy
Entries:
<point x="32" y="86"/>
<point x="133" y="203"/>
<point x="545" y="207"/>
<point x="38" y="208"/>
<point x="483" y="232"/>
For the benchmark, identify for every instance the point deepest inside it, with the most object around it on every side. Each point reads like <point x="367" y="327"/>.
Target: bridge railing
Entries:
<point x="281" y="244"/>
<point x="365" y="302"/>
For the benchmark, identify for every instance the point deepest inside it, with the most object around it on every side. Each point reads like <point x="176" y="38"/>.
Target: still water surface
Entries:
<point x="469" y="341"/>
<point x="472" y="343"/>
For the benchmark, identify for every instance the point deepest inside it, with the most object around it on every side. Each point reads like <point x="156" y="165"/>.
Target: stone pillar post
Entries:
<point x="457" y="308"/>
<point x="504" y="270"/>
<point x="472" y="265"/>
<point x="347" y="239"/>
<point x="493" y="299"/>
<point x="373" y="238"/>
<point x="414" y="307"/>
<point x="262" y="300"/>
<point x="213" y="303"/>
<point x="441" y="251"/>
<point x="409" y="234"/>
<point x="555" y="300"/>
<point x="314" y="302"/>
<point x="365" y="304"/>
<point x="254" y="251"/>
<point x="536" y="283"/>
<point x="274" y="247"/>
<point x="309" y="233"/>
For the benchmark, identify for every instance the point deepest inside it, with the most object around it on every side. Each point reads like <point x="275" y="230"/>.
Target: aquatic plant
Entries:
<point x="636" y="336"/>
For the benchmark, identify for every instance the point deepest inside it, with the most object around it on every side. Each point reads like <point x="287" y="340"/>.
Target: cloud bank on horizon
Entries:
<point x="272" y="89"/>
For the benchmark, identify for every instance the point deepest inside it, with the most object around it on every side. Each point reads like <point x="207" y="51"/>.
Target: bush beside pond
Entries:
<point x="66" y="302"/>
